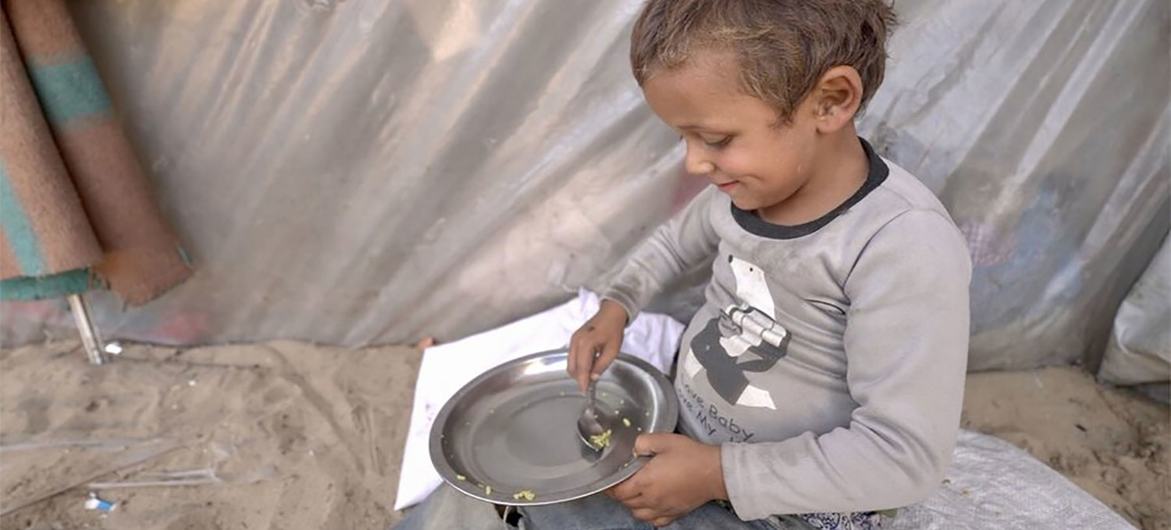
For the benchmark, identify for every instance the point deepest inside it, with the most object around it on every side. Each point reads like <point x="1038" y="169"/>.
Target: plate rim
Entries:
<point x="447" y="473"/>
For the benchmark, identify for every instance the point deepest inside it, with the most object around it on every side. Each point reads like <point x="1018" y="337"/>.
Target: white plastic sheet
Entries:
<point x="362" y="171"/>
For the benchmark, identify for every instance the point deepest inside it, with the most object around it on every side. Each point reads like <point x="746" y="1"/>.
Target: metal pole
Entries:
<point x="90" y="340"/>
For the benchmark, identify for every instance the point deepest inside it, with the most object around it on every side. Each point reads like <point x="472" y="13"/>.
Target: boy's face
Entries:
<point x="733" y="139"/>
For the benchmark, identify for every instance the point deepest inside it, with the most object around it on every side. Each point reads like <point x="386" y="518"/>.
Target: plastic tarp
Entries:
<point x="992" y="485"/>
<point x="1139" y="351"/>
<point x="358" y="171"/>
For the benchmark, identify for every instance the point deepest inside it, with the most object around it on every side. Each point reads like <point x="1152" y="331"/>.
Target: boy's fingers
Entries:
<point x="581" y="371"/>
<point x="623" y="492"/>
<point x="651" y="444"/>
<point x="580" y="358"/>
<point x="584" y="359"/>
<point x="644" y="514"/>
<point x="609" y="352"/>
<point x="637" y="502"/>
<point x="662" y="521"/>
<point x="641" y="499"/>
<point x="571" y="363"/>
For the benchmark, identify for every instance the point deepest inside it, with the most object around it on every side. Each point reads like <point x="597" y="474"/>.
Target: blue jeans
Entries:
<point x="599" y="512"/>
<point x="447" y="508"/>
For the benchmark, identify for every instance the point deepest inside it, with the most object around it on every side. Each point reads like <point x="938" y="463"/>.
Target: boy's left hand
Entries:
<point x="683" y="475"/>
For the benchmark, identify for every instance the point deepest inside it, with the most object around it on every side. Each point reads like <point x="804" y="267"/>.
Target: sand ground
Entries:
<point x="1113" y="443"/>
<point x="291" y="436"/>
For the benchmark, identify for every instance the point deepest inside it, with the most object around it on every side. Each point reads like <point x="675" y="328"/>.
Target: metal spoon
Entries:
<point x="589" y="424"/>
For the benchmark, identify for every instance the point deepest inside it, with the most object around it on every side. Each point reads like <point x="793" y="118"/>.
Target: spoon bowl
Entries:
<point x="590" y="426"/>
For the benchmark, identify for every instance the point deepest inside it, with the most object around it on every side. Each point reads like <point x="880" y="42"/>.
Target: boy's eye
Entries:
<point x="717" y="142"/>
<point x="709" y="141"/>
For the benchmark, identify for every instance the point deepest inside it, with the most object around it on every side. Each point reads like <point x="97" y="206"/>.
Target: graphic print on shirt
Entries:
<point x="743" y="338"/>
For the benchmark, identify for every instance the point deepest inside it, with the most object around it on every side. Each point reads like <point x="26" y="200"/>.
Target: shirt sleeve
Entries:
<point x="685" y="241"/>
<point x="906" y="344"/>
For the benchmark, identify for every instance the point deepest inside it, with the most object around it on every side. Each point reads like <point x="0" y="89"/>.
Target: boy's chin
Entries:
<point x="750" y="202"/>
<point x="747" y="204"/>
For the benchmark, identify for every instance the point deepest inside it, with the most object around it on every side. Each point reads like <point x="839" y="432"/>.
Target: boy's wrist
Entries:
<point x="719" y="490"/>
<point x="614" y="310"/>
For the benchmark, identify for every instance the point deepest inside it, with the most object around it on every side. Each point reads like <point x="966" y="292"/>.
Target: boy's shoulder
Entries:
<point x="893" y="202"/>
<point x="902" y="193"/>
<point x="903" y="221"/>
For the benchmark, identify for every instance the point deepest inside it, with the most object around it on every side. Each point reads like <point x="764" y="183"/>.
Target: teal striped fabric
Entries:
<point x="23" y="241"/>
<point x="53" y="286"/>
<point x="18" y="229"/>
<point x="69" y="90"/>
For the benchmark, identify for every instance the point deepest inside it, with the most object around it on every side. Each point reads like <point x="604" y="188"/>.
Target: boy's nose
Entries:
<point x="696" y="165"/>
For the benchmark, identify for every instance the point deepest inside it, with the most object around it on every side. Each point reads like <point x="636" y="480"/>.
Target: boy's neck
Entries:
<point x="839" y="169"/>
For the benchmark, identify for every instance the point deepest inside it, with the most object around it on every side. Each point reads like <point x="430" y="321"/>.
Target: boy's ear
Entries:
<point x="837" y="96"/>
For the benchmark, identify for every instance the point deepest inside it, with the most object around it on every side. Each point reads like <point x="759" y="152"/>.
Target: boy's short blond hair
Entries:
<point x="783" y="46"/>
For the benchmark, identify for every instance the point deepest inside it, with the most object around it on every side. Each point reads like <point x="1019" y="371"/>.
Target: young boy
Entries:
<point x="821" y="381"/>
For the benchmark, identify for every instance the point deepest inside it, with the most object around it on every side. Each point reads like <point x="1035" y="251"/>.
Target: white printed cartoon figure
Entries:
<point x="744" y="338"/>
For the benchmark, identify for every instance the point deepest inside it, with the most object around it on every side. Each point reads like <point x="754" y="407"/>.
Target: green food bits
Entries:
<point x="527" y="495"/>
<point x="601" y="441"/>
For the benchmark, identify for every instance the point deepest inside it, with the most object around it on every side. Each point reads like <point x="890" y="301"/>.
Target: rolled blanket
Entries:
<point x="73" y="198"/>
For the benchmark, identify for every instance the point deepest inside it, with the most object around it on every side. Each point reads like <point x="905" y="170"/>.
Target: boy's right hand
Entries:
<point x="602" y="333"/>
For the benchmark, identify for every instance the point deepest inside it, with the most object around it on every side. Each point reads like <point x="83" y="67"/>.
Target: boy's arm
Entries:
<point x="674" y="248"/>
<point x="684" y="241"/>
<point x="906" y="342"/>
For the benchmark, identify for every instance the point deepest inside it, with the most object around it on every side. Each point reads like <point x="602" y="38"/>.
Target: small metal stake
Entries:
<point x="90" y="340"/>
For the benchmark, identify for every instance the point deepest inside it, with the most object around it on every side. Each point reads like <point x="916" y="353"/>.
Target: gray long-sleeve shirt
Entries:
<point x="828" y="359"/>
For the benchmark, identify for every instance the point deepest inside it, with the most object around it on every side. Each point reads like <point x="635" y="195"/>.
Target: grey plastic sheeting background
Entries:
<point x="365" y="171"/>
<point x="1139" y="351"/>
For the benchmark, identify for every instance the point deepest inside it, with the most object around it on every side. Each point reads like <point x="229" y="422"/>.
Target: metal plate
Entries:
<point x="514" y="428"/>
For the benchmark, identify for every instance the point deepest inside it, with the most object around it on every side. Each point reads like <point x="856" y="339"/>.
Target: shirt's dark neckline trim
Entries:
<point x="875" y="176"/>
